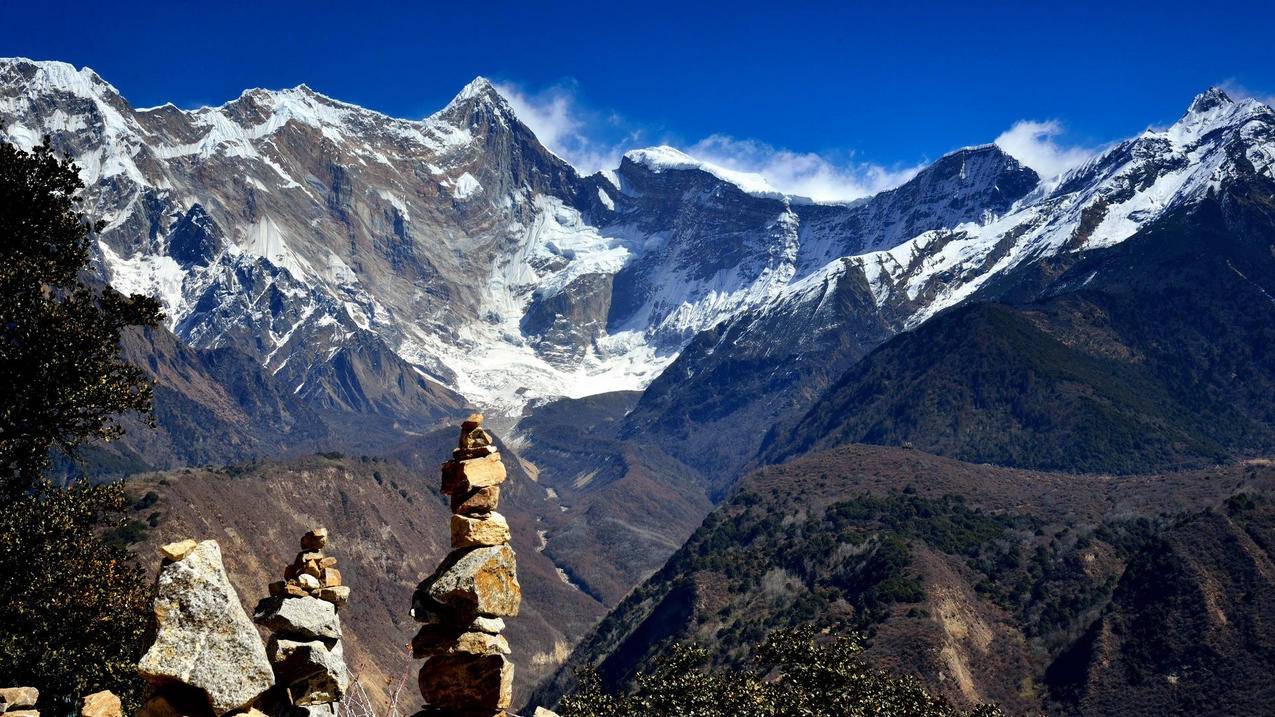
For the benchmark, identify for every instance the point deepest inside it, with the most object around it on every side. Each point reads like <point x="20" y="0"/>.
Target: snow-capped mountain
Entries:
<point x="457" y="250"/>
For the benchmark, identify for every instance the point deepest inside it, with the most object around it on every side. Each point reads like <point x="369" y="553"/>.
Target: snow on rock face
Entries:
<point x="292" y="227"/>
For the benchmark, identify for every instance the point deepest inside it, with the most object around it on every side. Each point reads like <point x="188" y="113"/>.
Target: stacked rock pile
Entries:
<point x="305" y="647"/>
<point x="19" y="701"/>
<point x="467" y="671"/>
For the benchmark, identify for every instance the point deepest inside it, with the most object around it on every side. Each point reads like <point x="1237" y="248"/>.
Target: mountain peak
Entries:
<point x="1210" y="99"/>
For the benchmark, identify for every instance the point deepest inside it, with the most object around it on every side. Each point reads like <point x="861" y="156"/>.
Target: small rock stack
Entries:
<point x="467" y="671"/>
<point x="313" y="573"/>
<point x="305" y="649"/>
<point x="19" y="701"/>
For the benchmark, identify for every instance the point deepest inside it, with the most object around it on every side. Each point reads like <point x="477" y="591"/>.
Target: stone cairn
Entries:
<point x="467" y="671"/>
<point x="305" y="648"/>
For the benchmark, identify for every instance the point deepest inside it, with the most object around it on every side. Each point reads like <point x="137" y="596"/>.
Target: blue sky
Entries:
<point x="846" y="97"/>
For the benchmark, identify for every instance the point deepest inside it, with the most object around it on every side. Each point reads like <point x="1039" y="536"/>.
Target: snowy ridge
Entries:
<point x="293" y="226"/>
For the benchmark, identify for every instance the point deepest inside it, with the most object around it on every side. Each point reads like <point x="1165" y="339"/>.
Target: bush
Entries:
<point x="73" y="609"/>
<point x="795" y="674"/>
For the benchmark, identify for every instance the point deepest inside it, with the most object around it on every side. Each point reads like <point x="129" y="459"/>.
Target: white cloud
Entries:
<point x="567" y="127"/>
<point x="592" y="140"/>
<point x="803" y="173"/>
<point x="1031" y="142"/>
<point x="1240" y="92"/>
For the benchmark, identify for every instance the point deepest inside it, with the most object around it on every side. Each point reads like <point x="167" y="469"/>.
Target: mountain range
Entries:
<point x="645" y="338"/>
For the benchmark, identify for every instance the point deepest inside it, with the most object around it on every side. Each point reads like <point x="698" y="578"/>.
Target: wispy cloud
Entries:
<point x="589" y="139"/>
<point x="1032" y="142"/>
<point x="593" y="140"/>
<point x="1238" y="91"/>
<point x="804" y="173"/>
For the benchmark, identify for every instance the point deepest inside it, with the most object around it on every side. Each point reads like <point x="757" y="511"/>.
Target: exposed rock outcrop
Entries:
<point x="467" y="670"/>
<point x="204" y="641"/>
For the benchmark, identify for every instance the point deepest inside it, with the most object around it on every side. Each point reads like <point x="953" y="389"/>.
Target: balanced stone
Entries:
<point x="493" y="625"/>
<point x="470" y="531"/>
<point x="17" y="698"/>
<point x="479" y="500"/>
<point x="481" y="581"/>
<point x="465" y="476"/>
<point x="299" y="616"/>
<point x="315" y="539"/>
<point x="178" y="550"/>
<point x="204" y="638"/>
<point x="338" y="595"/>
<point x="467" y="682"/>
<point x="313" y="672"/>
<point x="101" y="704"/>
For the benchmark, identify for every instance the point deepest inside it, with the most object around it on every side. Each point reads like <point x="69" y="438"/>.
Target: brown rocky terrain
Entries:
<point x="975" y="578"/>
<point x="389" y="528"/>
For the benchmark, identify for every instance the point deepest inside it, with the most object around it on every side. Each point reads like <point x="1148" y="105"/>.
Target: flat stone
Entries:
<point x="465" y="476"/>
<point x="178" y="550"/>
<point x="331" y="578"/>
<point x="338" y="595"/>
<point x="316" y="539"/>
<point x="101" y="704"/>
<point x="467" y="682"/>
<point x="313" y="672"/>
<point x="12" y="698"/>
<point x="204" y="638"/>
<point x="306" y="617"/>
<point x="479" y="500"/>
<point x="475" y="581"/>
<point x="287" y="588"/>
<point x="492" y="625"/>
<point x="471" y="531"/>
<point x="327" y="562"/>
<point x="432" y="640"/>
<point x="22" y="713"/>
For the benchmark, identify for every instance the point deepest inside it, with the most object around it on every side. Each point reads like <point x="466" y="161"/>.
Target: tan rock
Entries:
<point x="542" y="712"/>
<point x="480" y="500"/>
<point x="466" y="476"/>
<point x="470" y="531"/>
<point x="467" y="682"/>
<point x="328" y="562"/>
<point x="433" y="640"/>
<point x="180" y="549"/>
<point x="204" y="639"/>
<point x="22" y="713"/>
<point x="331" y="578"/>
<point x="476" y="581"/>
<point x="316" y="539"/>
<point x="493" y="625"/>
<point x="15" y="698"/>
<point x="338" y="595"/>
<point x="474" y="420"/>
<point x="286" y="587"/>
<point x="102" y="704"/>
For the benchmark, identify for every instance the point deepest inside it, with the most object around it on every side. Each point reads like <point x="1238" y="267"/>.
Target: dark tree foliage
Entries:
<point x="796" y="674"/>
<point x="60" y="367"/>
<point x="73" y="608"/>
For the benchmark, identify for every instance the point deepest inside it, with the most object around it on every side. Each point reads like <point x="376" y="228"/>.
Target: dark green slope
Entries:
<point x="1159" y="352"/>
